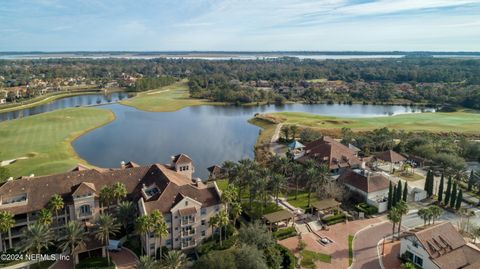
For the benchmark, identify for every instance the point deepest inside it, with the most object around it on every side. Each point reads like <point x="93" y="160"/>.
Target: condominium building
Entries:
<point x="186" y="203"/>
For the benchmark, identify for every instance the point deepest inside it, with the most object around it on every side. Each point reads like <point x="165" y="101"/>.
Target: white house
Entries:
<point x="439" y="246"/>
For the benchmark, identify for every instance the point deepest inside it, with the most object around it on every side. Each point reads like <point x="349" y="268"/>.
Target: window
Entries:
<point x="203" y="233"/>
<point x="409" y="255"/>
<point x="176" y="228"/>
<point x="186" y="202"/>
<point x="217" y="208"/>
<point x="415" y="244"/>
<point x="85" y="210"/>
<point x="203" y="211"/>
<point x="204" y="222"/>
<point x="168" y="242"/>
<point x="418" y="261"/>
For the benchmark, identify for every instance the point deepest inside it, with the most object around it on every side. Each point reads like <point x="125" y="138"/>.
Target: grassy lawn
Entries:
<point x="439" y="122"/>
<point x="165" y="99"/>
<point x="350" y="249"/>
<point x="45" y="139"/>
<point x="309" y="258"/>
<point x="98" y="263"/>
<point x="409" y="177"/>
<point x="268" y="129"/>
<point x="302" y="199"/>
<point x="256" y="212"/>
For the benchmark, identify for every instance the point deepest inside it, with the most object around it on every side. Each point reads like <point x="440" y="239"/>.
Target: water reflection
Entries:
<point x="209" y="134"/>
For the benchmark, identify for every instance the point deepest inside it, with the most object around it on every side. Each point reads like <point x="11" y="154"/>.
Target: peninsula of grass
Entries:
<point x="464" y="122"/>
<point x="165" y="99"/>
<point x="42" y="143"/>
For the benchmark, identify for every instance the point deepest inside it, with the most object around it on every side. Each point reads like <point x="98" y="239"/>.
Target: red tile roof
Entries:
<point x="181" y="159"/>
<point x="368" y="183"/>
<point x="328" y="150"/>
<point x="390" y="156"/>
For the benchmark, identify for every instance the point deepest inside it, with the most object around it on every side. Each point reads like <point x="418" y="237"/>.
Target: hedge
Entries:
<point x="285" y="233"/>
<point x="334" y="219"/>
<point x="367" y="209"/>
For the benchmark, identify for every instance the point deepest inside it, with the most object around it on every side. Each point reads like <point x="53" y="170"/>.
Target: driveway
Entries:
<point x="365" y="246"/>
<point x="125" y="259"/>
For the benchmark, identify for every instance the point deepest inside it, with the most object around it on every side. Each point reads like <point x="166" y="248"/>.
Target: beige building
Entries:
<point x="186" y="203"/>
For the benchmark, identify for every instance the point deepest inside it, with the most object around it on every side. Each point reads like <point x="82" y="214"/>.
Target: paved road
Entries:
<point x="365" y="246"/>
<point x="412" y="219"/>
<point x="124" y="259"/>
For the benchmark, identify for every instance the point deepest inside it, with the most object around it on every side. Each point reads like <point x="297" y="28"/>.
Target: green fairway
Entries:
<point x="457" y="122"/>
<point x="45" y="139"/>
<point x="165" y="99"/>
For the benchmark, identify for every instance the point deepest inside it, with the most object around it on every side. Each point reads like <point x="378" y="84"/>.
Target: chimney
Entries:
<point x="122" y="164"/>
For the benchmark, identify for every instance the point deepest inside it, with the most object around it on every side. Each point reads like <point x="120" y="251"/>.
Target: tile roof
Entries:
<point x="187" y="211"/>
<point x="172" y="186"/>
<point x="365" y="181"/>
<point x="328" y="150"/>
<point x="446" y="246"/>
<point x="181" y="159"/>
<point x="390" y="156"/>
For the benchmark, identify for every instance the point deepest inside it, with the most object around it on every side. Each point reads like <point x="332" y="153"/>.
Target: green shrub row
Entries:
<point x="289" y="260"/>
<point x="334" y="219"/>
<point x="367" y="209"/>
<point x="285" y="233"/>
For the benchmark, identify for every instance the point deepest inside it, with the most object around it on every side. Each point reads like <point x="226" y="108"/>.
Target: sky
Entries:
<point x="239" y="25"/>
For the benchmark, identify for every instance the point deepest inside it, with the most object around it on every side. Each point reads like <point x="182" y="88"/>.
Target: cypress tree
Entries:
<point x="432" y="181"/>
<point x="390" y="194"/>
<point x="405" y="192"/>
<point x="454" y="195"/>
<point x="399" y="192"/>
<point x="449" y="190"/>
<point x="427" y="179"/>
<point x="458" y="204"/>
<point x="470" y="181"/>
<point x="440" y="190"/>
<point x="394" y="197"/>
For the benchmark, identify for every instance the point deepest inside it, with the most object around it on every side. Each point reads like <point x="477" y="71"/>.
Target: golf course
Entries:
<point x="42" y="143"/>
<point x="464" y="122"/>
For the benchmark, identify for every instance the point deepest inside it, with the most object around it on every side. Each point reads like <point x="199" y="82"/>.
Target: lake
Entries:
<point x="66" y="102"/>
<point x="208" y="134"/>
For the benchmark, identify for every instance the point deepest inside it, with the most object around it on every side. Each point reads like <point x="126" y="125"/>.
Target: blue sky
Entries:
<point x="66" y="25"/>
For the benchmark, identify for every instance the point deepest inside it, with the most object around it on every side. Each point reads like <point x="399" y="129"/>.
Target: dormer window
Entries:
<point x="150" y="191"/>
<point x="13" y="200"/>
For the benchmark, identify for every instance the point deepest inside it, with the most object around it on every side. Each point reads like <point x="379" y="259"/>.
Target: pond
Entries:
<point x="208" y="134"/>
<point x="66" y="102"/>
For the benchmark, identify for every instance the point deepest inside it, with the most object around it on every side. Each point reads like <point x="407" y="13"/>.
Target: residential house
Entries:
<point x="215" y="172"/>
<point x="439" y="246"/>
<point x="371" y="186"/>
<point x="334" y="154"/>
<point x="186" y="203"/>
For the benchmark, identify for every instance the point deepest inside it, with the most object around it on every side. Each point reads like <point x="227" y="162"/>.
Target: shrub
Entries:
<point x="289" y="261"/>
<point x="334" y="219"/>
<point x="285" y="233"/>
<point x="367" y="209"/>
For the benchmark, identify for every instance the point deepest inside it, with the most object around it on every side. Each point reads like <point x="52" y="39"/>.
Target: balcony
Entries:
<point x="188" y="244"/>
<point x="188" y="232"/>
<point x="187" y="221"/>
<point x="82" y="215"/>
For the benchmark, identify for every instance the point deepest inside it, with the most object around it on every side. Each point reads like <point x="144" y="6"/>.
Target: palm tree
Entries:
<point x="316" y="177"/>
<point x="277" y="184"/>
<point x="213" y="222"/>
<point x="402" y="208"/>
<point x="36" y="237"/>
<point x="145" y="262"/>
<point x="73" y="238"/>
<point x="222" y="222"/>
<point x="235" y="212"/>
<point x="44" y="217"/>
<point x="119" y="191"/>
<point x="125" y="211"/>
<point x="174" y="260"/>
<point x="435" y="211"/>
<point x="143" y="226"/>
<point x="229" y="195"/>
<point x="159" y="228"/>
<point x="106" y="197"/>
<point x="424" y="213"/>
<point x="296" y="176"/>
<point x="106" y="226"/>
<point x="6" y="222"/>
<point x="394" y="216"/>
<point x="56" y="204"/>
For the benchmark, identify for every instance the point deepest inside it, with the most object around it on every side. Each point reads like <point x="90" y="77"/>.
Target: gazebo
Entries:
<point x="326" y="206"/>
<point x="278" y="216"/>
<point x="296" y="148"/>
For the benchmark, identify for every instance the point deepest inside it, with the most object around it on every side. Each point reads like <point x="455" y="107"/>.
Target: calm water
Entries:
<point x="208" y="134"/>
<point x="72" y="101"/>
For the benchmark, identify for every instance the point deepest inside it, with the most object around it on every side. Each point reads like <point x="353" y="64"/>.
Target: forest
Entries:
<point x="428" y="80"/>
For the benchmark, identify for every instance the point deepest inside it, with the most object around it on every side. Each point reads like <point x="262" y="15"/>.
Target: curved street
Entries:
<point x="365" y="246"/>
